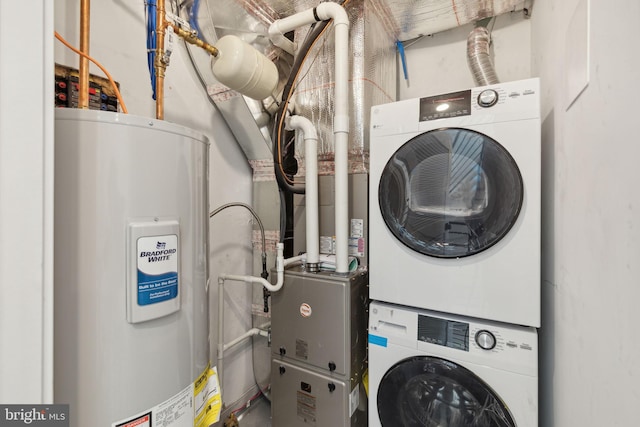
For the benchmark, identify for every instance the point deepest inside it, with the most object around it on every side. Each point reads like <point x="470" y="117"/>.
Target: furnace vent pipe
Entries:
<point x="479" y="58"/>
<point x="323" y="12"/>
<point x="311" y="189"/>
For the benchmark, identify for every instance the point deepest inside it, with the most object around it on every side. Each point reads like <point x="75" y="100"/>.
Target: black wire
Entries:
<point x="288" y="89"/>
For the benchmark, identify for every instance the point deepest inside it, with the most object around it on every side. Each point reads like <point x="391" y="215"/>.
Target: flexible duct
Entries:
<point x="479" y="58"/>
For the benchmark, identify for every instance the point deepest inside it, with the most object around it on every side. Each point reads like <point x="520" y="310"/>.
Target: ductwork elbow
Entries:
<point x="479" y="57"/>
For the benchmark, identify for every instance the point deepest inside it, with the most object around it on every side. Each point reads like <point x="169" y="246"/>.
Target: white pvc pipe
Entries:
<point x="278" y="29"/>
<point x="280" y="264"/>
<point x="220" y="330"/>
<point x="325" y="11"/>
<point x="250" y="333"/>
<point x="336" y="12"/>
<point x="260" y="280"/>
<point x="311" y="185"/>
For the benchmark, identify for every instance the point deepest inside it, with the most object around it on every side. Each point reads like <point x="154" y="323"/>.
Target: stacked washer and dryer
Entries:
<point x="454" y="259"/>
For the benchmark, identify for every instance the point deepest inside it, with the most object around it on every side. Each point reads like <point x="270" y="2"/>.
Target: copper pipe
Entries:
<point x="160" y="62"/>
<point x="83" y="78"/>
<point x="192" y="38"/>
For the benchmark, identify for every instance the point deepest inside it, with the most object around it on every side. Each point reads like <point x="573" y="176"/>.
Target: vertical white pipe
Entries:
<point x="325" y="11"/>
<point x="340" y="129"/>
<point x="220" y="329"/>
<point x="311" y="186"/>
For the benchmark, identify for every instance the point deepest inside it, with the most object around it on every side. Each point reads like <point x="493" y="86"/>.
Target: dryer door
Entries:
<point x="427" y="391"/>
<point x="450" y="193"/>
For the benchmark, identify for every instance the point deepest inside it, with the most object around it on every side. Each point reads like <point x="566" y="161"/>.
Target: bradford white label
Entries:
<point x="157" y="268"/>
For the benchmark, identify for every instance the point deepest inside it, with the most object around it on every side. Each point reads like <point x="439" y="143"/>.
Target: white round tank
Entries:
<point x="242" y="68"/>
<point x="131" y="306"/>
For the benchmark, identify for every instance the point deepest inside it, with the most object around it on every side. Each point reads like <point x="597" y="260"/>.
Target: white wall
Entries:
<point x="590" y="363"/>
<point x="438" y="63"/>
<point x="26" y="204"/>
<point x="118" y="42"/>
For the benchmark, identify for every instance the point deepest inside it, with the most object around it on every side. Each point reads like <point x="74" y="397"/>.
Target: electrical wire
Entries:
<point x="257" y="218"/>
<point x="104" y="70"/>
<point x="247" y="404"/>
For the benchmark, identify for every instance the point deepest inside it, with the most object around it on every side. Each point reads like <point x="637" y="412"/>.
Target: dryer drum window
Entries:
<point x="426" y="391"/>
<point x="450" y="193"/>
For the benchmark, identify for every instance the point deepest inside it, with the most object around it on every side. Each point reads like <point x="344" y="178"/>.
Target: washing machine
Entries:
<point x="432" y="369"/>
<point x="455" y="202"/>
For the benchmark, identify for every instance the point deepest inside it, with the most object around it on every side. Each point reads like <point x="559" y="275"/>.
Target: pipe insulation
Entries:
<point x="479" y="57"/>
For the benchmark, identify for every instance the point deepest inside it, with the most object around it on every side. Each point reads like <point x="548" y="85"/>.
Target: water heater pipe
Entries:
<point x="239" y="66"/>
<point x="83" y="68"/>
<point x="250" y="333"/>
<point x="160" y="64"/>
<point x="280" y="265"/>
<point x="479" y="57"/>
<point x="311" y="189"/>
<point x="322" y="12"/>
<point x="191" y="37"/>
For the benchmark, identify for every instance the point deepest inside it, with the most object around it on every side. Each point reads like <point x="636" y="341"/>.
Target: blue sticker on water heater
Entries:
<point x="157" y="262"/>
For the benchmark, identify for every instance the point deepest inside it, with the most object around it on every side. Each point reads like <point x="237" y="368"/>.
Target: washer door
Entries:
<point x="431" y="392"/>
<point x="450" y="193"/>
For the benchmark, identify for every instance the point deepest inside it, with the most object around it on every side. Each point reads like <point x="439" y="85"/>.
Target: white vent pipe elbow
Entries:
<point x="479" y="57"/>
<point x="322" y="12"/>
<point x="253" y="279"/>
<point x="311" y="188"/>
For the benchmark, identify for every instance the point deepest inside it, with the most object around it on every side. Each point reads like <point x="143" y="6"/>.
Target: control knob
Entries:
<point x="487" y="98"/>
<point x="485" y="339"/>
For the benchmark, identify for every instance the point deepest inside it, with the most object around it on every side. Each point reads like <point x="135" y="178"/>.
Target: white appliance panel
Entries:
<point x="510" y="369"/>
<point x="499" y="283"/>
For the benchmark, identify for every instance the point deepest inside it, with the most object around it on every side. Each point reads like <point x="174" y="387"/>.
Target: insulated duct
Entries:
<point x="479" y="57"/>
<point x="414" y="19"/>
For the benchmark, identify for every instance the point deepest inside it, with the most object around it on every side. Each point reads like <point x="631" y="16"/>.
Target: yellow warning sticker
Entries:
<point x="207" y="397"/>
<point x="365" y="381"/>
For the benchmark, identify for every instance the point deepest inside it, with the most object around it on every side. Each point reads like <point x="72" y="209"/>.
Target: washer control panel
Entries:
<point x="452" y="337"/>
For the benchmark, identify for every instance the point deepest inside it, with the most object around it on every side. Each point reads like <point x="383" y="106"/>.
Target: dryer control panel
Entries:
<point x="444" y="106"/>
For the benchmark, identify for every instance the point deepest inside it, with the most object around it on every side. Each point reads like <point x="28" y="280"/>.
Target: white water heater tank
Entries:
<point x="131" y="306"/>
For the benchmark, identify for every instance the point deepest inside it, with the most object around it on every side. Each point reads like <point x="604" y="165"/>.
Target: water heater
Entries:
<point x="131" y="306"/>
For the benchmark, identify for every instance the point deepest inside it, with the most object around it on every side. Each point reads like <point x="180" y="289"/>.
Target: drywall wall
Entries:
<point x="591" y="269"/>
<point x="26" y="203"/>
<point x="438" y="63"/>
<point x="118" y="41"/>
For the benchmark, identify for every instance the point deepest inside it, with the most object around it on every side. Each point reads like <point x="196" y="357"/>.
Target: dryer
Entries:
<point x="455" y="202"/>
<point x="432" y="369"/>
